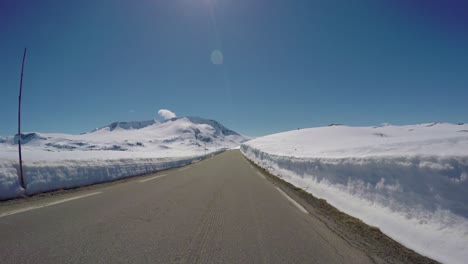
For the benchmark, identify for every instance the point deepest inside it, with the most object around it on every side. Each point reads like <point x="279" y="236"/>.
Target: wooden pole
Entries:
<point x="19" y="124"/>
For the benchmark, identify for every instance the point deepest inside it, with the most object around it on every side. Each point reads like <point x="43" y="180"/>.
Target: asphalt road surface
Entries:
<point x="220" y="210"/>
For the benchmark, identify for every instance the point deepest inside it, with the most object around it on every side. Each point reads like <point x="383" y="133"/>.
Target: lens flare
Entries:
<point x="217" y="57"/>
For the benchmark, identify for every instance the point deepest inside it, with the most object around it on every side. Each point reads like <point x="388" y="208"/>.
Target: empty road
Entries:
<point x="220" y="210"/>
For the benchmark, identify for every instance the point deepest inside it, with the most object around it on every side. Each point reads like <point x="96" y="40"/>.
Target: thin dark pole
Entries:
<point x="19" y="124"/>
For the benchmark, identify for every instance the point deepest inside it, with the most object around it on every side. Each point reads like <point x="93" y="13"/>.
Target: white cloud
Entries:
<point x="166" y="114"/>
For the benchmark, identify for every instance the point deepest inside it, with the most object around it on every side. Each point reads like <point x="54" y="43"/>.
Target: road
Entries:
<point x="220" y="210"/>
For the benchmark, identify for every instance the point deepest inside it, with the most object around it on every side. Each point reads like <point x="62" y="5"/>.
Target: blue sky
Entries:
<point x="286" y="64"/>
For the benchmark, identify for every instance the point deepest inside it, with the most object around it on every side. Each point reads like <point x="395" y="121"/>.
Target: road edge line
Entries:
<point x="21" y="210"/>
<point x="261" y="175"/>
<point x="296" y="204"/>
<point x="152" y="178"/>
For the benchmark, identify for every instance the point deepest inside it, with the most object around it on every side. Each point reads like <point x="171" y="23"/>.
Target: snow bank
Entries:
<point x="43" y="176"/>
<point x="9" y="184"/>
<point x="410" y="181"/>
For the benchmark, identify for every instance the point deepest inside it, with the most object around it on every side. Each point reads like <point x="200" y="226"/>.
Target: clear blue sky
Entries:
<point x="287" y="64"/>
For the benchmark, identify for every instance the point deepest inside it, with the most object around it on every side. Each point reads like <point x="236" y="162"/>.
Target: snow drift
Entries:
<point x="410" y="181"/>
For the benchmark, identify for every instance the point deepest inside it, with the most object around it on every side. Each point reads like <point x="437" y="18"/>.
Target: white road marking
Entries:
<point x="152" y="178"/>
<point x="261" y="175"/>
<point x="21" y="210"/>
<point x="302" y="209"/>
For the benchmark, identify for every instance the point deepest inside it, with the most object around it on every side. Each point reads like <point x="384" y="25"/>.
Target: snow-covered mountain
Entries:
<point x="180" y="135"/>
<point x="122" y="149"/>
<point x="219" y="129"/>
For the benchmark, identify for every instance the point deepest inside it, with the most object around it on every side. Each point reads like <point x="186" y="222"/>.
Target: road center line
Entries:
<point x="21" y="210"/>
<point x="152" y="178"/>
<point x="302" y="209"/>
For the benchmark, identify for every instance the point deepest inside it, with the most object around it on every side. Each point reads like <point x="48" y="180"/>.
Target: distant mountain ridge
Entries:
<point x="181" y="134"/>
<point x="219" y="128"/>
<point x="127" y="125"/>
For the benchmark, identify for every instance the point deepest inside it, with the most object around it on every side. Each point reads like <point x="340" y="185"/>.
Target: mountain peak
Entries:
<point x="219" y="128"/>
<point x="127" y="125"/>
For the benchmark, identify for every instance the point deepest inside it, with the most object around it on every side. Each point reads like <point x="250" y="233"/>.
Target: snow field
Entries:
<point x="412" y="186"/>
